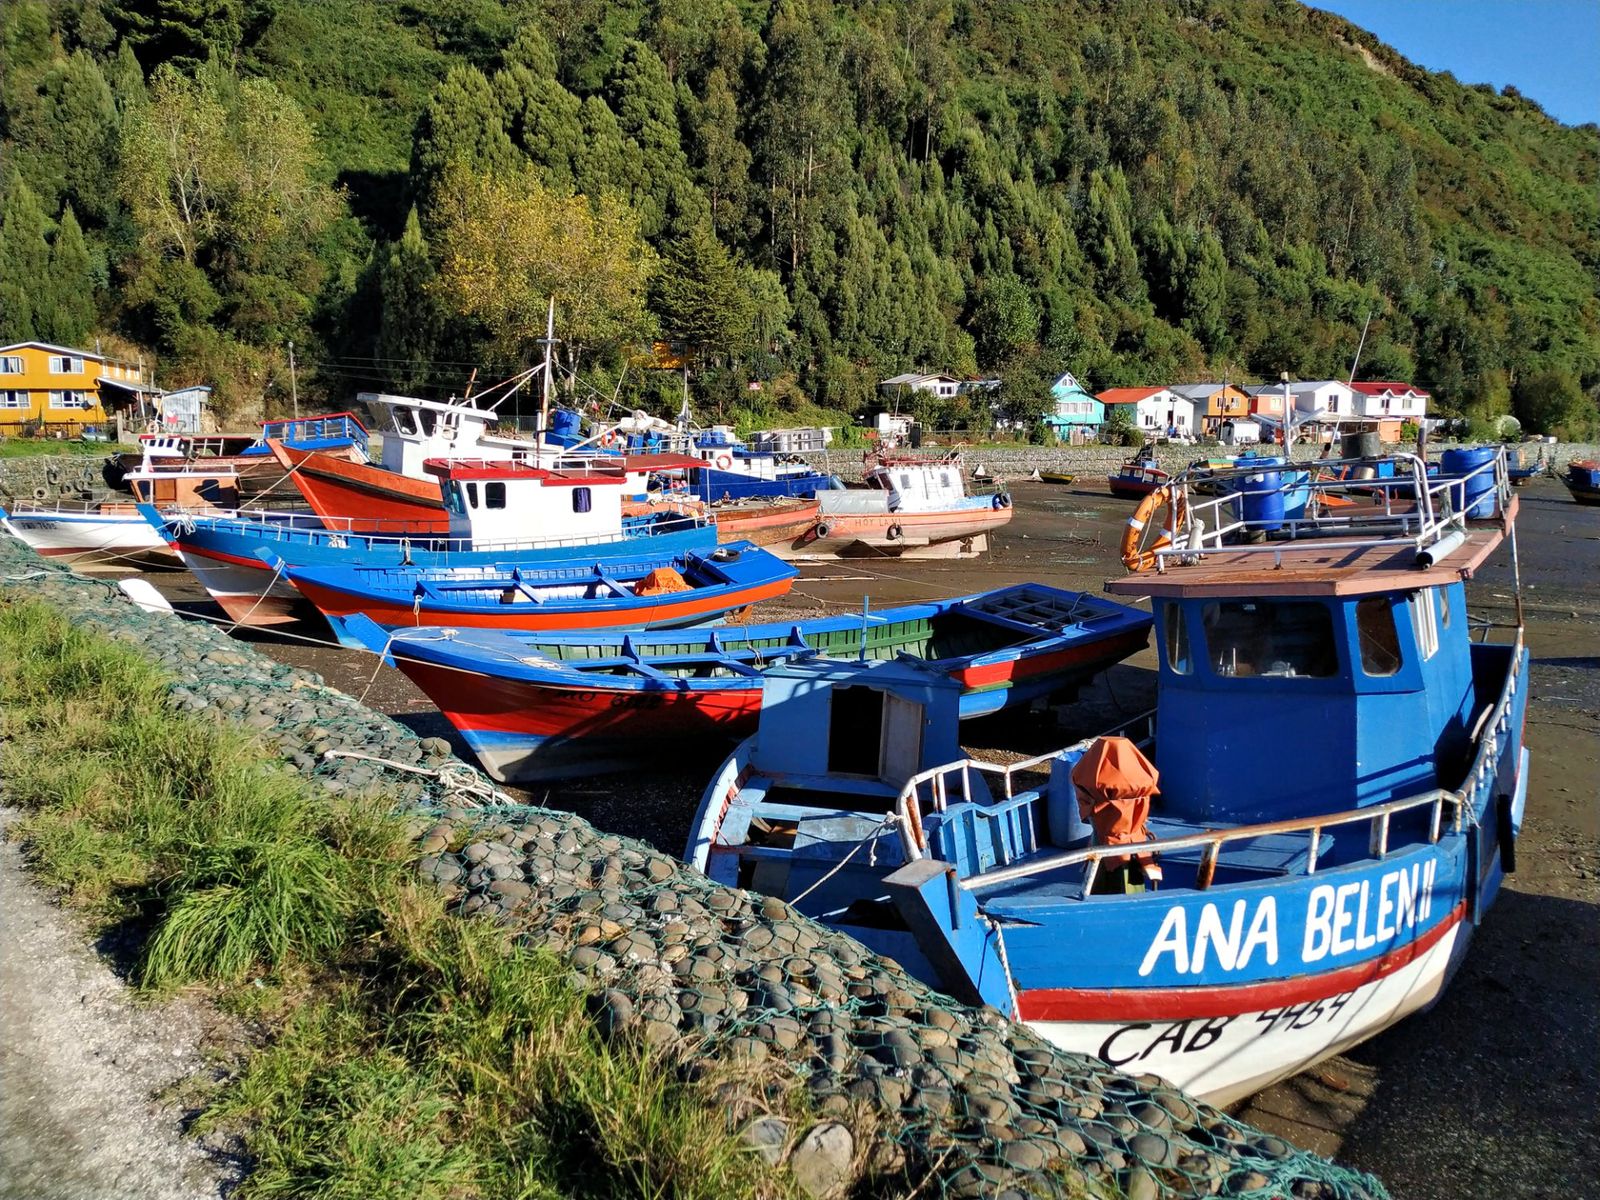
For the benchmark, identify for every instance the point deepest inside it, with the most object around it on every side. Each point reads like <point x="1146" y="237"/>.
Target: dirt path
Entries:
<point x="82" y="1066"/>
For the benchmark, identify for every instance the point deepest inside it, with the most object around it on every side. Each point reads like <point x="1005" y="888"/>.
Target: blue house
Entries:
<point x="1076" y="411"/>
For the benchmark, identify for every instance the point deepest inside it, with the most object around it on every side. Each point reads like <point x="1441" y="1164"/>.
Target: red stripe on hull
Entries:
<point x="473" y="701"/>
<point x="1179" y="1004"/>
<point x="1111" y="650"/>
<point x="387" y="613"/>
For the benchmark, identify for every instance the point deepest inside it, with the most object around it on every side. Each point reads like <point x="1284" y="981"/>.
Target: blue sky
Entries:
<point x="1549" y="50"/>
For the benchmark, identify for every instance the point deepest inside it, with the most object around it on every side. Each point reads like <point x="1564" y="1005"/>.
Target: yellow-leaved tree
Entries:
<point x="508" y="244"/>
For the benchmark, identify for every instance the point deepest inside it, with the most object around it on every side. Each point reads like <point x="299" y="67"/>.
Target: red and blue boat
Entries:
<point x="544" y="706"/>
<point x="502" y="512"/>
<point x="638" y="591"/>
<point x="1137" y="477"/>
<point x="1288" y="855"/>
<point x="1583" y="480"/>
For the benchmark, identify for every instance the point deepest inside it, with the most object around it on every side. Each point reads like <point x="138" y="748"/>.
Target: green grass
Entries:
<point x="21" y="447"/>
<point x="412" y="1053"/>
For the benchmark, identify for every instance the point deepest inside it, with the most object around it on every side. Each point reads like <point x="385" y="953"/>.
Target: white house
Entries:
<point x="1396" y="401"/>
<point x="1315" y="398"/>
<point x="1158" y="411"/>
<point x="939" y="384"/>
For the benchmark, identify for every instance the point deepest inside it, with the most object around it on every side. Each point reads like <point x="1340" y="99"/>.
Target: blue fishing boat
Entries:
<point x="545" y="706"/>
<point x="1583" y="480"/>
<point x="500" y="512"/>
<point x="641" y="591"/>
<point x="1289" y="854"/>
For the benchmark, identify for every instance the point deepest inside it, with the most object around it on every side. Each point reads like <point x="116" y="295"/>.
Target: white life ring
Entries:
<point x="723" y="461"/>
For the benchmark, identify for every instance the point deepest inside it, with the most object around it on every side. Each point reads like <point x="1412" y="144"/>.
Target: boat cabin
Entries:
<point x="216" y="488"/>
<point x="417" y="430"/>
<point x="918" y="485"/>
<point x="863" y="727"/>
<point x="506" y="501"/>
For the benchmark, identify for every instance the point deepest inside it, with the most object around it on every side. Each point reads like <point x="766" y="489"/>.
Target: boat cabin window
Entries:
<point x="494" y="494"/>
<point x="1425" y="623"/>
<point x="582" y="499"/>
<point x="1177" y="631"/>
<point x="855" y="730"/>
<point x="1377" y="636"/>
<point x="1284" y="639"/>
<point x="472" y="495"/>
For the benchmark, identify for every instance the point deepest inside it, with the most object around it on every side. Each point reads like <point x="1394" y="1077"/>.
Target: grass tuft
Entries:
<point x="412" y="1053"/>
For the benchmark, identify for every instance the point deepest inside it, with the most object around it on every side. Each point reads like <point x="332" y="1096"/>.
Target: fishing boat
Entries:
<point x="1288" y="855"/>
<point x="1583" y="480"/>
<point x="1519" y="470"/>
<point x="1055" y="476"/>
<point x="335" y="435"/>
<point x="1137" y="477"/>
<point x="544" y="706"/>
<point x="115" y="534"/>
<point x="501" y="512"/>
<point x="644" y="591"/>
<point x="913" y="506"/>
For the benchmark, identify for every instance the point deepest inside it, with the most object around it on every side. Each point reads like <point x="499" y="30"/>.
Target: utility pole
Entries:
<point x="548" y="341"/>
<point x="294" y="389"/>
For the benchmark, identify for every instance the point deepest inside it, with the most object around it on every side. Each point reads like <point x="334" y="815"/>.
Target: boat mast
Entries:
<point x="548" y="341"/>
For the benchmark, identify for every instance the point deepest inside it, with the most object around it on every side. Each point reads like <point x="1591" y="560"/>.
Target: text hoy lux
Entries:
<point x="1339" y="918"/>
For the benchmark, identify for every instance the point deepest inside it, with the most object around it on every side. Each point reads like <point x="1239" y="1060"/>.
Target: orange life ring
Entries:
<point x="723" y="461"/>
<point x="1141" y="558"/>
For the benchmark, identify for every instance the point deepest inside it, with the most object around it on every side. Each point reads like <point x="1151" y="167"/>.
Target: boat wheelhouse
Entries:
<point x="1287" y="856"/>
<point x="1137" y="477"/>
<point x="335" y="435"/>
<point x="542" y="706"/>
<point x="499" y="513"/>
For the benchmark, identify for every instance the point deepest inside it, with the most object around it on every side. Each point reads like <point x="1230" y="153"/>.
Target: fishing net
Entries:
<point x="940" y="1098"/>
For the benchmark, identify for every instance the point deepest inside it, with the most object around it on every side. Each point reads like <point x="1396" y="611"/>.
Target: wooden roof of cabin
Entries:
<point x="1321" y="569"/>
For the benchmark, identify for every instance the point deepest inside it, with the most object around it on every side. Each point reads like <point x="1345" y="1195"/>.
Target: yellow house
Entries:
<point x="1214" y="403"/>
<point x="47" y="389"/>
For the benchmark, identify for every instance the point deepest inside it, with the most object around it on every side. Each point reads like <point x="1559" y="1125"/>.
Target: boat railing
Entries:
<point x="308" y="527"/>
<point x="1491" y="730"/>
<point x="1409" y="508"/>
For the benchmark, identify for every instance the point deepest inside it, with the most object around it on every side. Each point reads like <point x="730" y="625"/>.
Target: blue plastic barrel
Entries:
<point x="1474" y="496"/>
<point x="564" y="427"/>
<point x="1260" y="496"/>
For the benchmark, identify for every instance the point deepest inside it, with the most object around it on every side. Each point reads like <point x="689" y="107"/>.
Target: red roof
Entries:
<point x="1126" y="395"/>
<point x="1377" y="388"/>
<point x="477" y="468"/>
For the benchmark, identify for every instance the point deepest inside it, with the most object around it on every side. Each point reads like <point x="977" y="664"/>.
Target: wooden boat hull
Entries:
<point x="1125" y="488"/>
<point x="340" y="489"/>
<point x="106" y="539"/>
<point x="958" y="533"/>
<point x="1056" y="477"/>
<point x="766" y="524"/>
<point x="569" y="597"/>
<point x="248" y="593"/>
<point x="530" y="711"/>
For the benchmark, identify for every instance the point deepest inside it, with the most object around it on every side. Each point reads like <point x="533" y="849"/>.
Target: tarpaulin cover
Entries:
<point x="659" y="582"/>
<point x="1114" y="782"/>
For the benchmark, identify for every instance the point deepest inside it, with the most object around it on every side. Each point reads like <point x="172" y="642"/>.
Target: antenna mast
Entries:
<point x="548" y="341"/>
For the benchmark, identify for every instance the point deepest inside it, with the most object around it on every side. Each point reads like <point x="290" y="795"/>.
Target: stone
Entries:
<point x="1141" y="1185"/>
<point x="821" y="1162"/>
<point x="767" y="1137"/>
<point x="1154" y="1149"/>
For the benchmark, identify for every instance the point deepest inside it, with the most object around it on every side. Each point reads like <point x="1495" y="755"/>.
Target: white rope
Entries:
<point x="456" y="777"/>
<point x="883" y="826"/>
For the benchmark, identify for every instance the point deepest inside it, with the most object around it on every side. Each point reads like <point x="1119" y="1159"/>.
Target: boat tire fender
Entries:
<point x="1141" y="558"/>
<point x="40" y="493"/>
<point x="1002" y="500"/>
<point x="726" y="554"/>
<point x="894" y="533"/>
<point x="822" y="530"/>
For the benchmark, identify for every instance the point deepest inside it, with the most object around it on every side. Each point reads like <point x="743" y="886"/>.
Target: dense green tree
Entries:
<point x="67" y="124"/>
<point x="1006" y="320"/>
<point x="184" y="33"/>
<point x="699" y="296"/>
<point x="463" y="126"/>
<point x="659" y="185"/>
<point x="70" y="284"/>
<point x="26" y="307"/>
<point x="411" y="323"/>
<point x="1553" y="402"/>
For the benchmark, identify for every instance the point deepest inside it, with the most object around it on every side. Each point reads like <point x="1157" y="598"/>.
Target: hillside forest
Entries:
<point x="792" y="199"/>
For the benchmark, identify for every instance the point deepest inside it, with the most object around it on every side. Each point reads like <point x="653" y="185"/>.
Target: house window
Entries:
<point x="11" y="364"/>
<point x="582" y="500"/>
<point x="494" y="495"/>
<point x="70" y="400"/>
<point x="62" y="364"/>
<point x="14" y="400"/>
